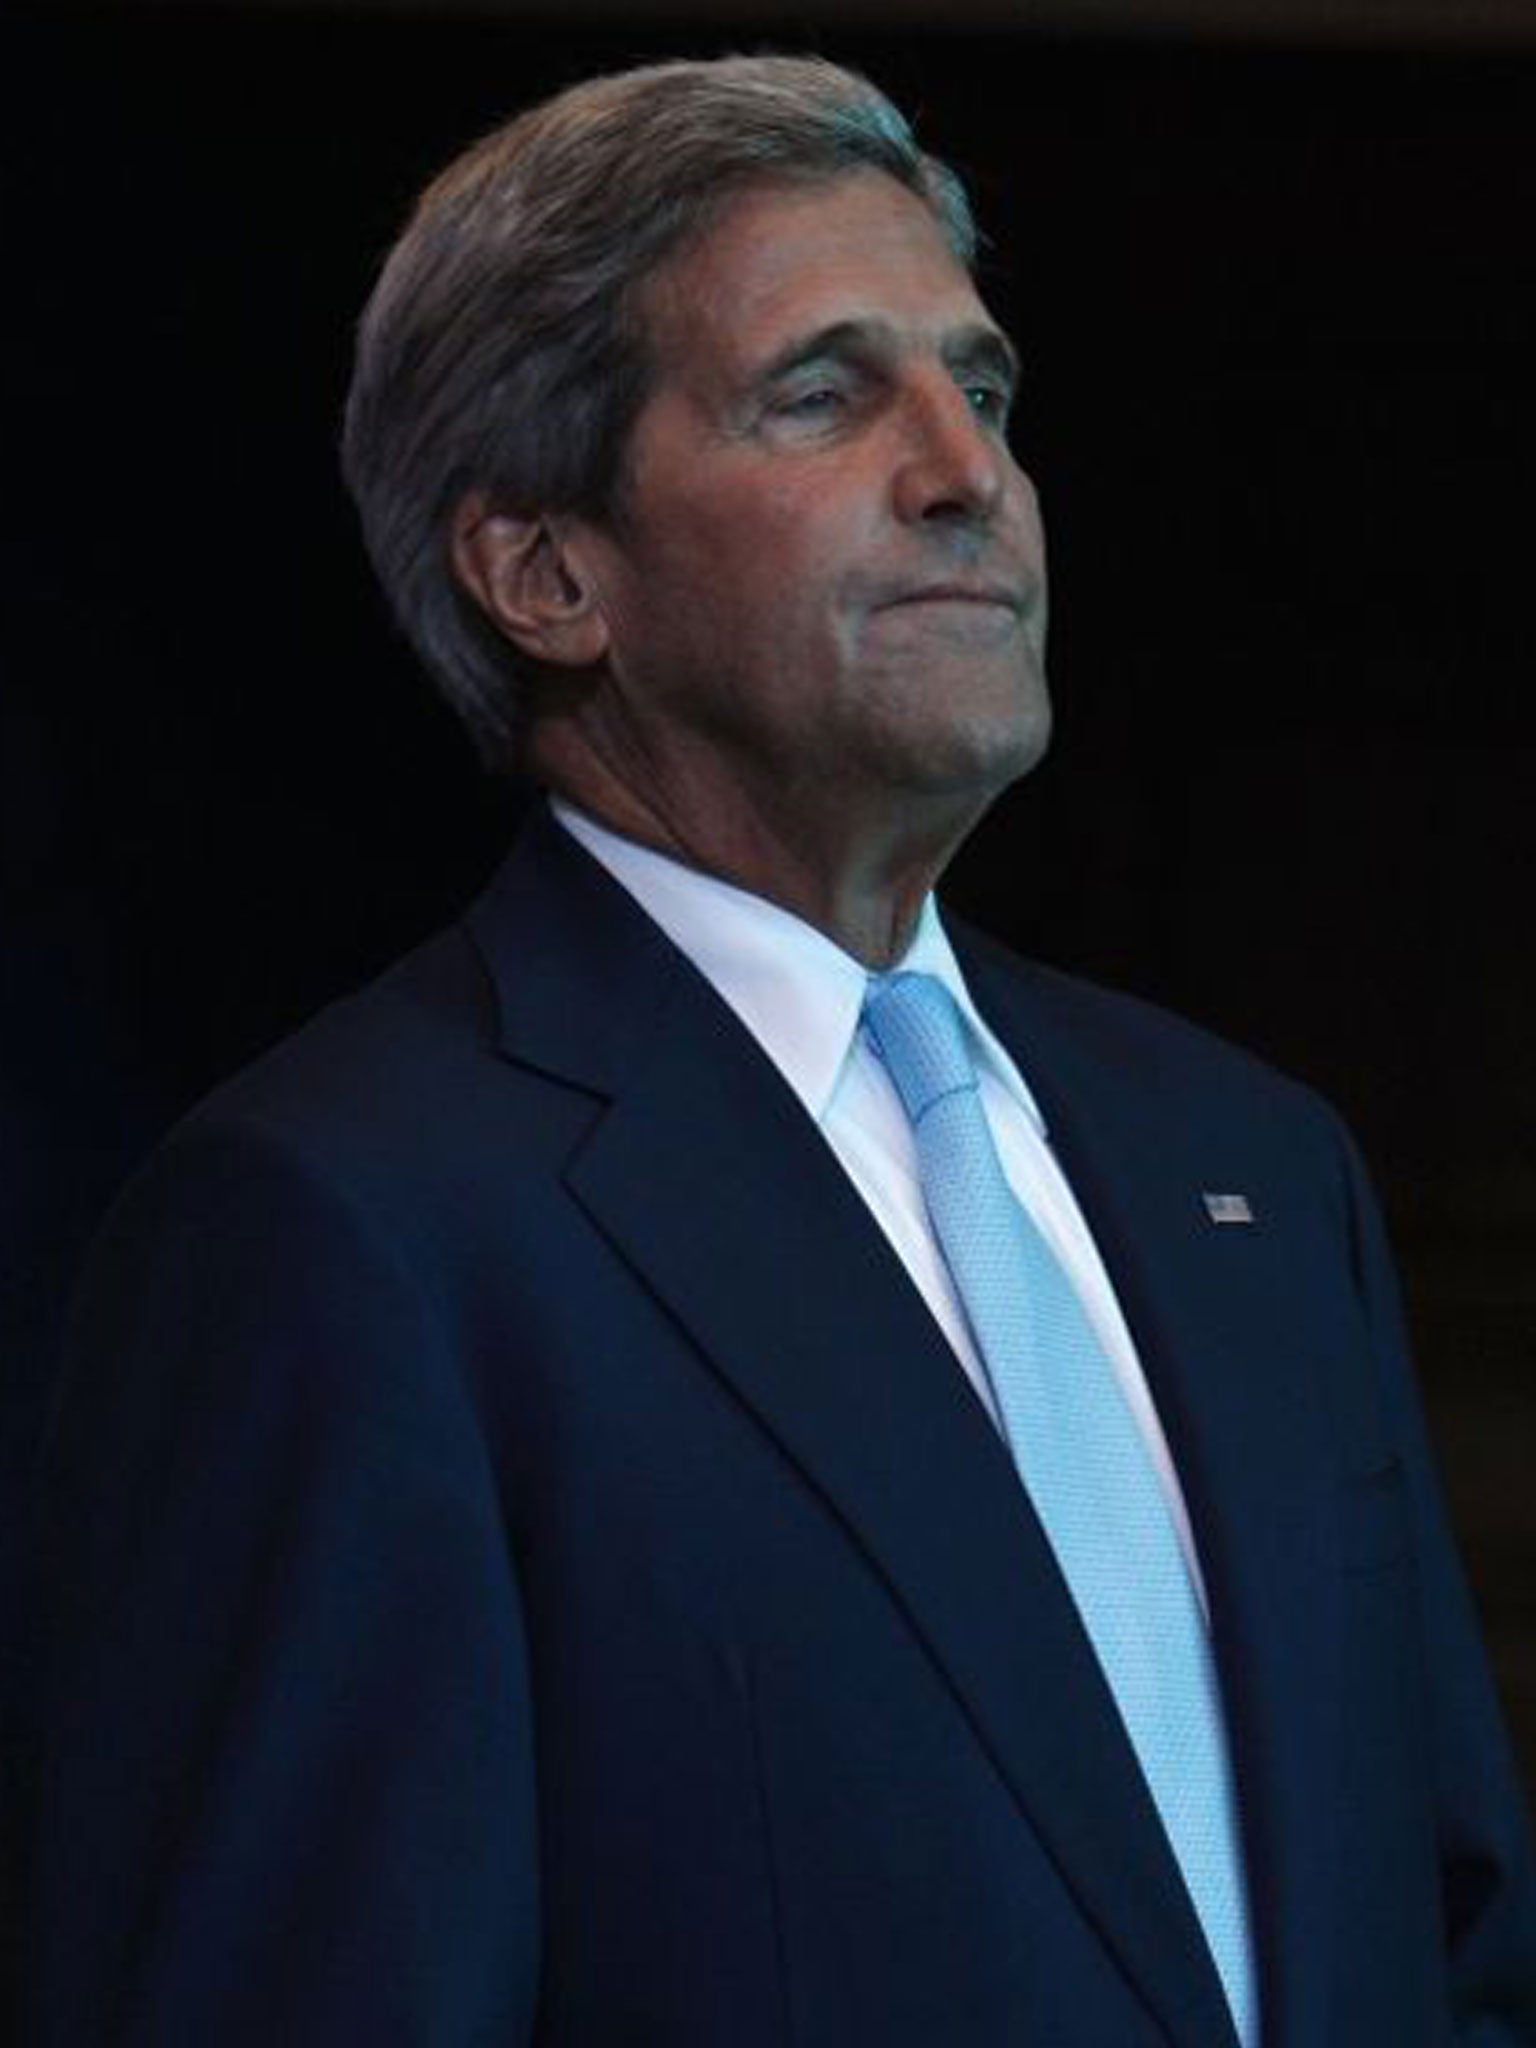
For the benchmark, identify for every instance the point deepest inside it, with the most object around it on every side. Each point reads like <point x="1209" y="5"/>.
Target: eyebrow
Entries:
<point x="975" y="347"/>
<point x="984" y="348"/>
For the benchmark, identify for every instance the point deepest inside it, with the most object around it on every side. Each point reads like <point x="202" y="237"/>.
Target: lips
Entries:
<point x="982" y="595"/>
<point x="977" y="596"/>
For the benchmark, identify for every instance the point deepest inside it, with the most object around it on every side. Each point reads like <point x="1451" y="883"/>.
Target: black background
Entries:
<point x="1276" y="309"/>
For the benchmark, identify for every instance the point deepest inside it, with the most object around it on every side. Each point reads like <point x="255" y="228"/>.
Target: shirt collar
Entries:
<point x="799" y="994"/>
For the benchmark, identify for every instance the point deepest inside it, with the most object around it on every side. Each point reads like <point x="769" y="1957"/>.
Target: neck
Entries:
<point x="860" y="880"/>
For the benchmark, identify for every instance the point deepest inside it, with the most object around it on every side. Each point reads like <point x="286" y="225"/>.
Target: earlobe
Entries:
<point x="523" y="576"/>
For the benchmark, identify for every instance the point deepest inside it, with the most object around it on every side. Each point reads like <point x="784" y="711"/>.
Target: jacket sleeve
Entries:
<point x="280" y="1785"/>
<point x="1488" y="1885"/>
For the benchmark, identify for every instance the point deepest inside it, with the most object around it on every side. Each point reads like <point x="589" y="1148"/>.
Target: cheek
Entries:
<point x="743" y="582"/>
<point x="770" y="575"/>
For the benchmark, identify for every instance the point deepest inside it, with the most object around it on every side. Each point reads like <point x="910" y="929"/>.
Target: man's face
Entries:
<point x="826" y="572"/>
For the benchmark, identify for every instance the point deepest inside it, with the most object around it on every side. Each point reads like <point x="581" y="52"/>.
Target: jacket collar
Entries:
<point x="592" y="995"/>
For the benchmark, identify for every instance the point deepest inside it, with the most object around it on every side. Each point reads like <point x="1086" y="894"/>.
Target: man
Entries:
<point x="699" y="1466"/>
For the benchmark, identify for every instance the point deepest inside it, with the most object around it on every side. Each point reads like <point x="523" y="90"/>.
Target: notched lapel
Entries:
<point x="706" y="1175"/>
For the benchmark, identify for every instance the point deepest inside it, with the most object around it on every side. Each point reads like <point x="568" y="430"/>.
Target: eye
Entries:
<point x="812" y="401"/>
<point x="990" y="402"/>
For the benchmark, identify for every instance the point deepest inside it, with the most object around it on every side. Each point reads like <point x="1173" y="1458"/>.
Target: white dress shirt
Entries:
<point x="801" y="997"/>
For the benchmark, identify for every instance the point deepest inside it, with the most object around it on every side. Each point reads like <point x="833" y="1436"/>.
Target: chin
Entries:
<point x="987" y="752"/>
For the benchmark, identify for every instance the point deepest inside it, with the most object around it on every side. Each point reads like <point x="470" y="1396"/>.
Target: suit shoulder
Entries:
<point x="314" y="1107"/>
<point x="361" y="1055"/>
<point x="393" y="1099"/>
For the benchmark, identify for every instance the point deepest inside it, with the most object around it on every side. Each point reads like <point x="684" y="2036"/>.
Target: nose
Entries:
<point x="954" y="466"/>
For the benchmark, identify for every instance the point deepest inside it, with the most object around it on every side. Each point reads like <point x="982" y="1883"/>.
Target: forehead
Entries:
<point x="782" y="260"/>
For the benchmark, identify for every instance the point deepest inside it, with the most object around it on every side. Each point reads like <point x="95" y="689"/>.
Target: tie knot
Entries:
<point x="918" y="1033"/>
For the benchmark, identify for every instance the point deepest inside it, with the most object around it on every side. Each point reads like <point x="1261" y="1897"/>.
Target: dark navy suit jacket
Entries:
<point x="526" y="1569"/>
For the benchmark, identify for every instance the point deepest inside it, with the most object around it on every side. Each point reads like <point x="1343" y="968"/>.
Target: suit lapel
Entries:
<point x="1220" y="1324"/>
<point x="708" y="1178"/>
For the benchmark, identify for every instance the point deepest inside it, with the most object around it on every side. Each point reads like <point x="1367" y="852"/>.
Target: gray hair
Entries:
<point x="502" y="352"/>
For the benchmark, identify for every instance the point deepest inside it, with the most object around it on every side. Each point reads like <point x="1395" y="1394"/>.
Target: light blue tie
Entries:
<point x="1083" y="1460"/>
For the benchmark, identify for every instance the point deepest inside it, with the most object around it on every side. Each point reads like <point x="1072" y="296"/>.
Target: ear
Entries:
<point x="526" y="580"/>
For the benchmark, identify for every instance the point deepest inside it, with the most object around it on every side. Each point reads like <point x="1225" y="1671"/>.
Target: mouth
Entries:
<point x="977" y="596"/>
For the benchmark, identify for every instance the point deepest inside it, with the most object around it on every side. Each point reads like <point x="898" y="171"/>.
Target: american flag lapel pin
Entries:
<point x="1227" y="1208"/>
